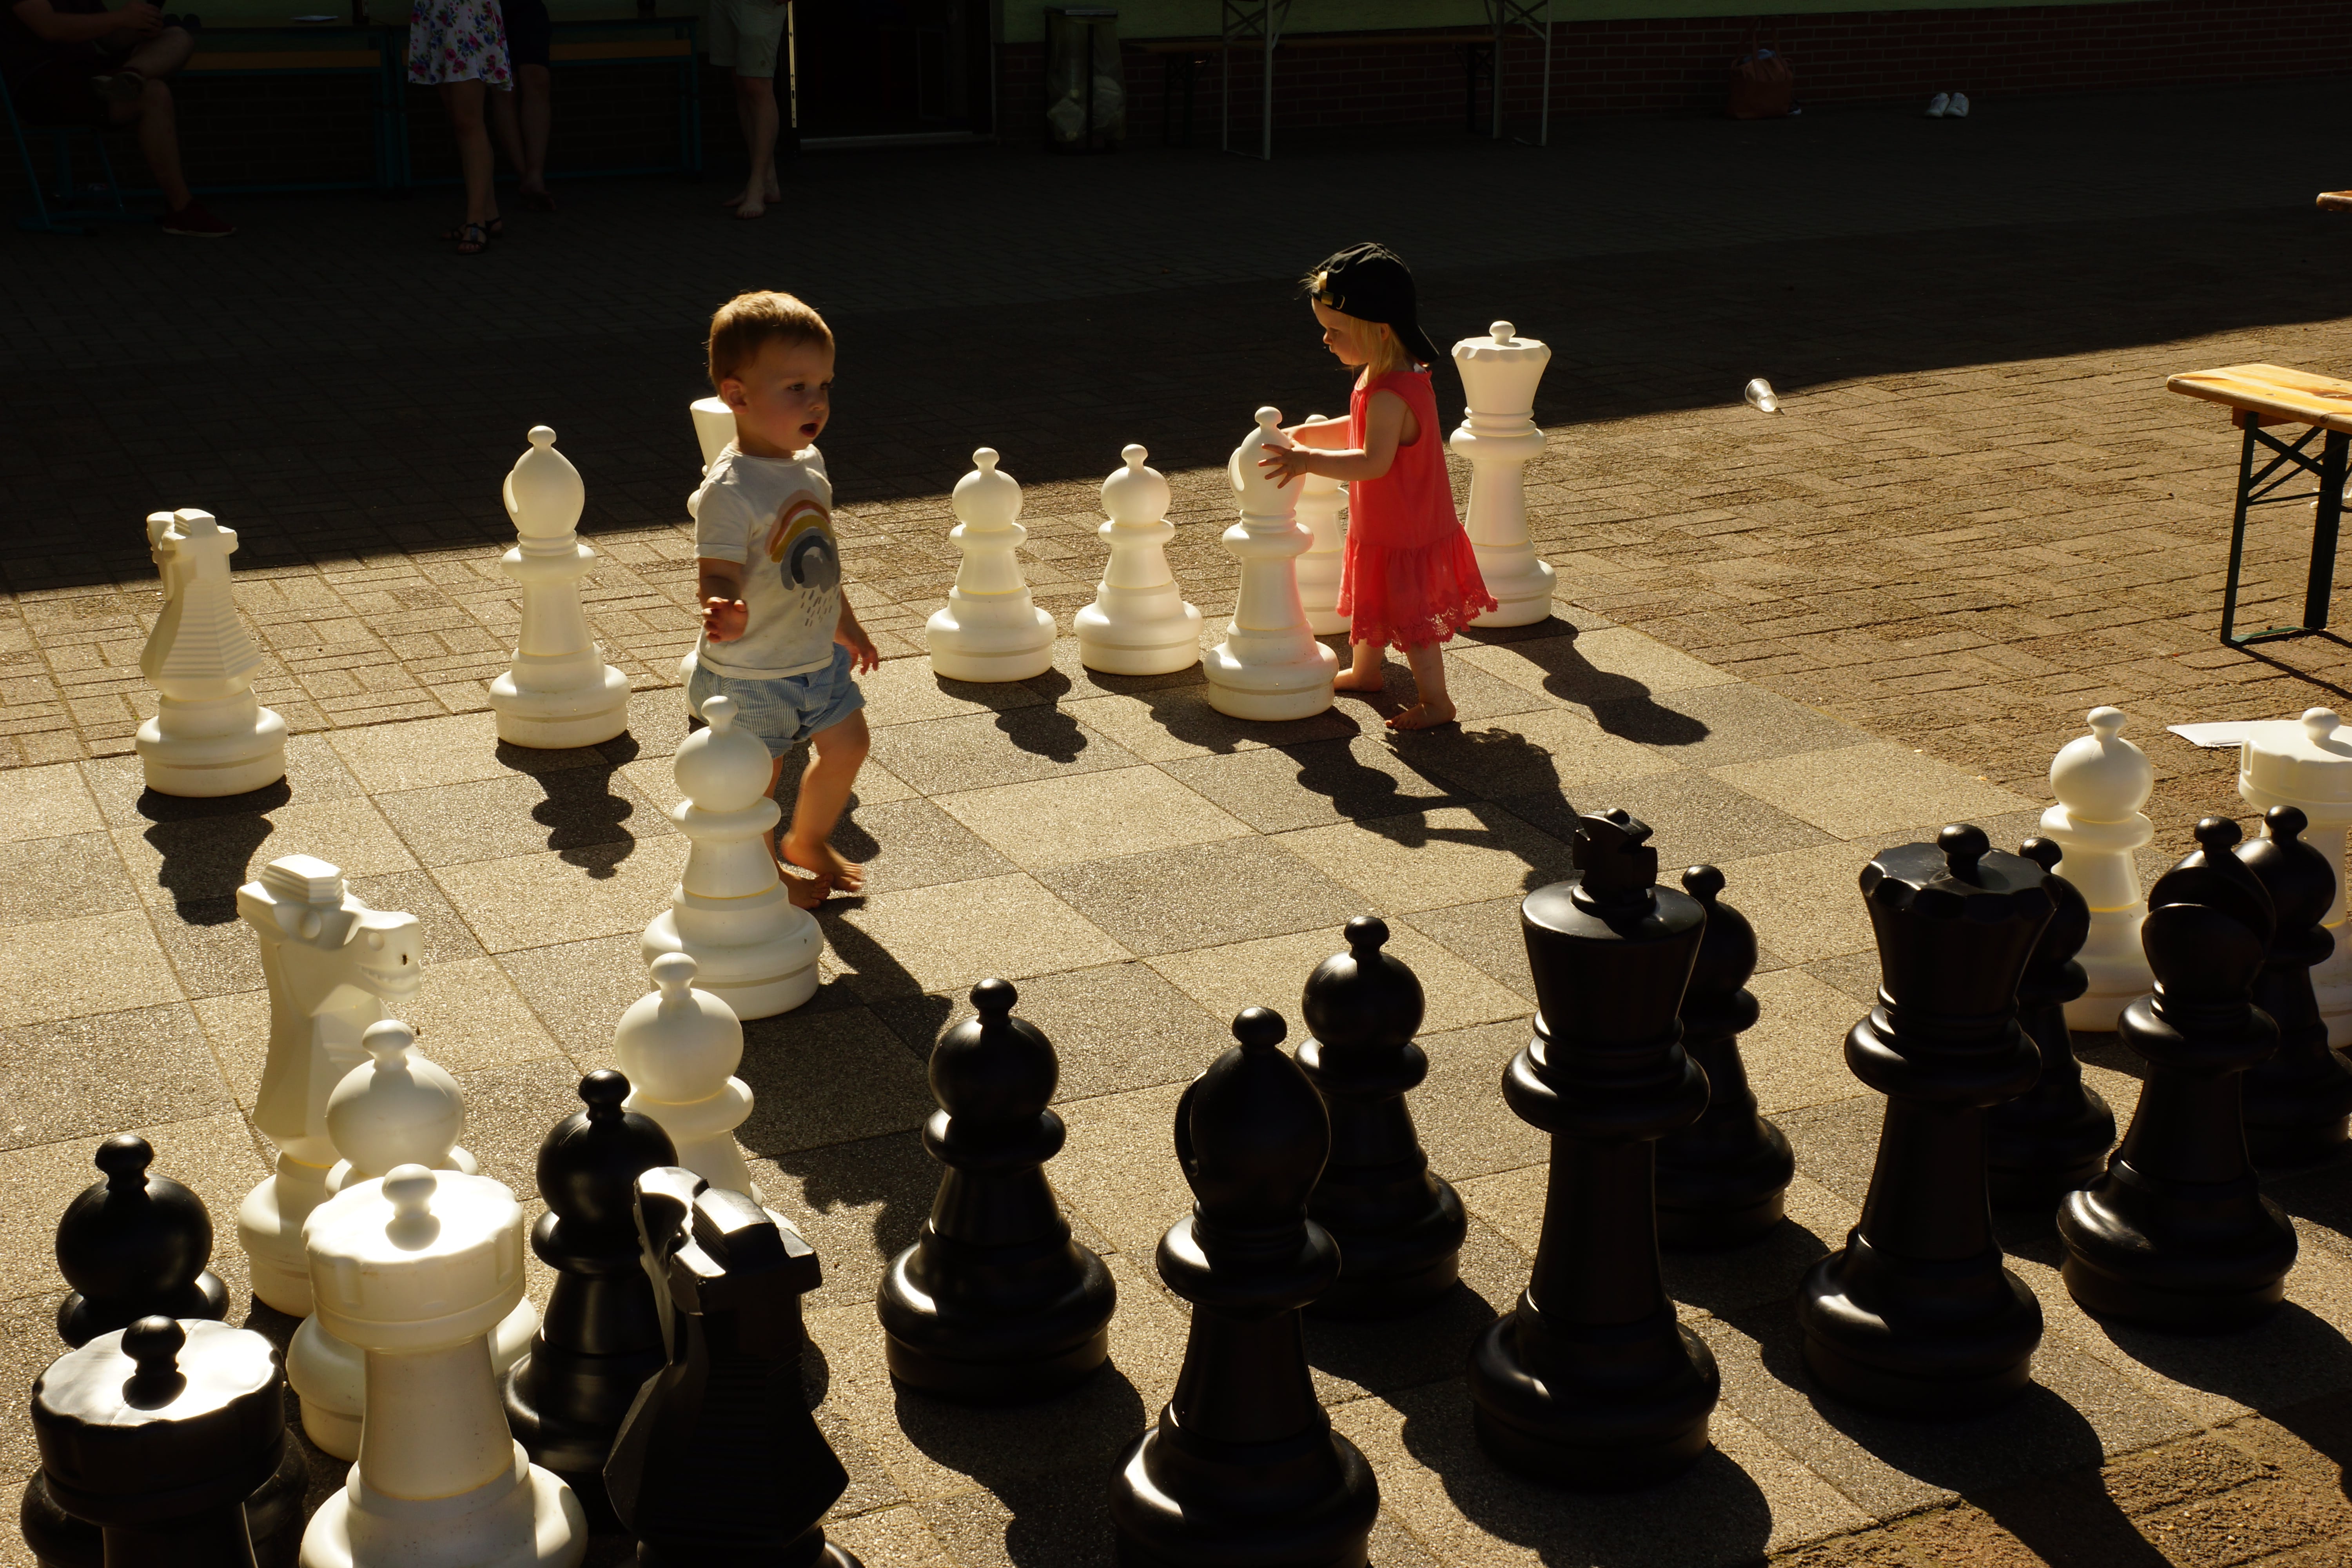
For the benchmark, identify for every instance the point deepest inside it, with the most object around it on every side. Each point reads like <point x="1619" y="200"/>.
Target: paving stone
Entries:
<point x="1313" y="783"/>
<point x="1201" y="895"/>
<point x="520" y="813"/>
<point x="1057" y="822"/>
<point x="87" y="1078"/>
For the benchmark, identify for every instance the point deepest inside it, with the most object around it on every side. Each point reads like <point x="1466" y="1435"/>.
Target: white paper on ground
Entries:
<point x="2214" y="737"/>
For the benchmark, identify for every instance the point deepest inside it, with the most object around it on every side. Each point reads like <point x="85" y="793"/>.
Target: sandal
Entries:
<point x="496" y="229"/>
<point x="471" y="239"/>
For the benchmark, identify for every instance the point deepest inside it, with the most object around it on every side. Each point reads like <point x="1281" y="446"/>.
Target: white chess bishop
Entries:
<point x="989" y="629"/>
<point x="680" y="1046"/>
<point x="1269" y="665"/>
<point x="2306" y="763"/>
<point x="730" y="911"/>
<point x="334" y="966"/>
<point x="396" y="1109"/>
<point x="2101" y="781"/>
<point x="1138" y="622"/>
<point x="417" y="1269"/>
<point x="210" y="735"/>
<point x="1320" y="501"/>
<point x="558" y="690"/>
<point x="1499" y="435"/>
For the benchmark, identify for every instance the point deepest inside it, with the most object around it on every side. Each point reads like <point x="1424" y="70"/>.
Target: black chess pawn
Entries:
<point x="1242" y="1466"/>
<point x="156" y="1434"/>
<point x="1588" y="1381"/>
<point x="995" y="1301"/>
<point x="1915" y="1314"/>
<point x="1400" y="1228"/>
<point x="719" y="1460"/>
<point x="601" y="1337"/>
<point x="2299" y="1102"/>
<point x="1722" y="1180"/>
<point x="2177" y="1234"/>
<point x="2055" y="1136"/>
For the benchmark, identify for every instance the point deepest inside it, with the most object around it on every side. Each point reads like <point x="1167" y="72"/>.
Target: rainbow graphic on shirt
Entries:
<point x="801" y="541"/>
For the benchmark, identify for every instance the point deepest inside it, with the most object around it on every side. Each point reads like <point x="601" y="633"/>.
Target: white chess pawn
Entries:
<point x="2306" y="762"/>
<point x="398" y="1108"/>
<point x="714" y="427"/>
<point x="210" y="735"/>
<point x="334" y="966"/>
<point x="417" y="1269"/>
<point x="2101" y="781"/>
<point x="678" y="1048"/>
<point x="1498" y="436"/>
<point x="1269" y="665"/>
<point x="1138" y="622"/>
<point x="729" y="912"/>
<point x="558" y="691"/>
<point x="1320" y="503"/>
<point x="987" y="629"/>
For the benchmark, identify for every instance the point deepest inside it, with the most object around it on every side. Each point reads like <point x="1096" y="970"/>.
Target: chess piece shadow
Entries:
<point x="1357" y="790"/>
<point x="1619" y="703"/>
<point x="1043" y="731"/>
<point x="204" y="858"/>
<point x="1182" y="711"/>
<point x="581" y="810"/>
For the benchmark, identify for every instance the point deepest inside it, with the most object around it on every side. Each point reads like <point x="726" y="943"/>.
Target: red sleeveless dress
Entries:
<point x="1408" y="576"/>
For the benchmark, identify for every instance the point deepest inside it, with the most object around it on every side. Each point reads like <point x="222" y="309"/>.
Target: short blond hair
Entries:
<point x="748" y="322"/>
<point x="1383" y="351"/>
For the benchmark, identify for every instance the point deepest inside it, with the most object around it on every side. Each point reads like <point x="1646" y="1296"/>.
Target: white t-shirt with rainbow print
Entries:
<point x="776" y="516"/>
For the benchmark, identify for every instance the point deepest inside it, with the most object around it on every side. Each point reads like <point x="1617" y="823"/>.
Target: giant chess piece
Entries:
<point x="994" y="1302"/>
<point x="1723" y="1180"/>
<point x="156" y="1434"/>
<point x="1242" y="1466"/>
<point x="1138" y="622"/>
<point x="1915" y="1314"/>
<point x="1498" y="435"/>
<point x="1400" y="1228"/>
<point x="416" y="1269"/>
<point x="2299" y="1102"/>
<point x="719" y="1459"/>
<point x="680" y="1046"/>
<point x="730" y="911"/>
<point x="1320" y="501"/>
<point x="558" y="690"/>
<point x="989" y="629"/>
<point x="2304" y="763"/>
<point x="1269" y="665"/>
<point x="397" y="1109"/>
<point x="334" y="966"/>
<point x="602" y="1338"/>
<point x="1590" y="1382"/>
<point x="2101" y="781"/>
<point x="2055" y="1136"/>
<point x="210" y="735"/>
<point x="714" y="427"/>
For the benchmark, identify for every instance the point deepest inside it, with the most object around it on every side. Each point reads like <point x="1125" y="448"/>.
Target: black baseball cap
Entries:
<point x="1371" y="283"/>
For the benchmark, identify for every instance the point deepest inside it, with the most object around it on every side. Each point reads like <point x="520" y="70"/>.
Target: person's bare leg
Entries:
<point x="536" y="93"/>
<point x="505" y="130"/>
<point x="159" y="132"/>
<point x="1428" y="661"/>
<point x="755" y="106"/>
<point x="837" y="753"/>
<point x="464" y="102"/>
<point x="1364" y="672"/>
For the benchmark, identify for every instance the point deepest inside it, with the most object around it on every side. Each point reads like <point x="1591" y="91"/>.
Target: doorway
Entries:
<point x="891" y="68"/>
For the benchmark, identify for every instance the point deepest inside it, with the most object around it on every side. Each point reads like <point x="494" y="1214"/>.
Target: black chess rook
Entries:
<point x="2055" y="1136"/>
<point x="2299" y="1102"/>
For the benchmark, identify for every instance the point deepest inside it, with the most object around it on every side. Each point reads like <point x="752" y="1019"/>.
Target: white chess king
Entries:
<point x="680" y="1046"/>
<point x="989" y="629"/>
<point x="1320" y="501"/>
<point x="2101" y="781"/>
<point x="558" y="691"/>
<point x="1269" y="665"/>
<point x="1499" y="437"/>
<point x="1138" y="622"/>
<point x="2306" y="763"/>
<point x="210" y="735"/>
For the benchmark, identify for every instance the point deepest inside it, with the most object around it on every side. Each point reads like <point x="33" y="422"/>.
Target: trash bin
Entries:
<point x="1086" y="94"/>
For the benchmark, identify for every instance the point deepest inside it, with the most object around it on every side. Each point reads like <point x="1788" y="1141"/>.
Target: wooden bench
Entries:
<point x="233" y="51"/>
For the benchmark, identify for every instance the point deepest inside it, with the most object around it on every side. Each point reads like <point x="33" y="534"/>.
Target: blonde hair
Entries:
<point x="743" y="326"/>
<point x="1383" y="351"/>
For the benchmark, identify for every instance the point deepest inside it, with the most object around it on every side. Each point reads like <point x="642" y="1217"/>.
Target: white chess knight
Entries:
<point x="1499" y="435"/>
<point x="334" y="967"/>
<point x="396" y="1109"/>
<point x="558" y="690"/>
<point x="210" y="735"/>
<point x="989" y="629"/>
<point x="418" y="1269"/>
<point x="1138" y="622"/>
<point x="680" y="1046"/>
<point x="730" y="911"/>
<point x="1269" y="665"/>
<point x="1319" y="504"/>
<point x="2306" y="763"/>
<point x="2101" y="781"/>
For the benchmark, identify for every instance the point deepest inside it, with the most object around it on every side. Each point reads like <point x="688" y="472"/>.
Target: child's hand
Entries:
<point x="862" y="655"/>
<point x="1283" y="464"/>
<point x="723" y="620"/>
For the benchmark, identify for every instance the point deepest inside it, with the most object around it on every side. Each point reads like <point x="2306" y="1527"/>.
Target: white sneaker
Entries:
<point x="1940" y="106"/>
<point x="1958" y="108"/>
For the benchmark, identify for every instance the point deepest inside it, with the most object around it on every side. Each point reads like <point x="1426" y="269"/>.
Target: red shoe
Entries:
<point x="193" y="221"/>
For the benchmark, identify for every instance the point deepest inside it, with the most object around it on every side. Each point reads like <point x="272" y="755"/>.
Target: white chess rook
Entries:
<point x="334" y="966"/>
<point x="987" y="629"/>
<point x="210" y="735"/>
<point x="1138" y="622"/>
<point x="416" y="1269"/>
<point x="714" y="427"/>
<point x="1499" y="435"/>
<point x="2304" y="763"/>
<point x="729" y="912"/>
<point x="680" y="1046"/>
<point x="1269" y="665"/>
<point x="1319" y="502"/>
<point x="558" y="691"/>
<point x="2101" y="781"/>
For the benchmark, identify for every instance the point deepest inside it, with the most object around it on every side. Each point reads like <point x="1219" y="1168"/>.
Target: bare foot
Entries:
<point x="775" y="194"/>
<point x="805" y="892"/>
<point x="1348" y="680"/>
<point x="827" y="866"/>
<point x="751" y="209"/>
<point x="1422" y="715"/>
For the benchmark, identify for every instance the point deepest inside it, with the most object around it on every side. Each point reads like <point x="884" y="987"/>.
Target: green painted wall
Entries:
<point x="1025" y="20"/>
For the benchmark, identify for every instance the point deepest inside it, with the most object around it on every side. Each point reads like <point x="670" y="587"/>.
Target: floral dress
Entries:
<point x="458" y="40"/>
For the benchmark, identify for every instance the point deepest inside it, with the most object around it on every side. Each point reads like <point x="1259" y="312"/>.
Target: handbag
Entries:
<point x="1763" y="83"/>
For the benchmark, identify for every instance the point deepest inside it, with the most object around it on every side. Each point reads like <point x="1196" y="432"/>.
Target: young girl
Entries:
<point x="1408" y="577"/>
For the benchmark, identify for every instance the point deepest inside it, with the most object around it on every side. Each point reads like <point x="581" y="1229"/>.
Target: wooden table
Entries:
<point x="2265" y="394"/>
